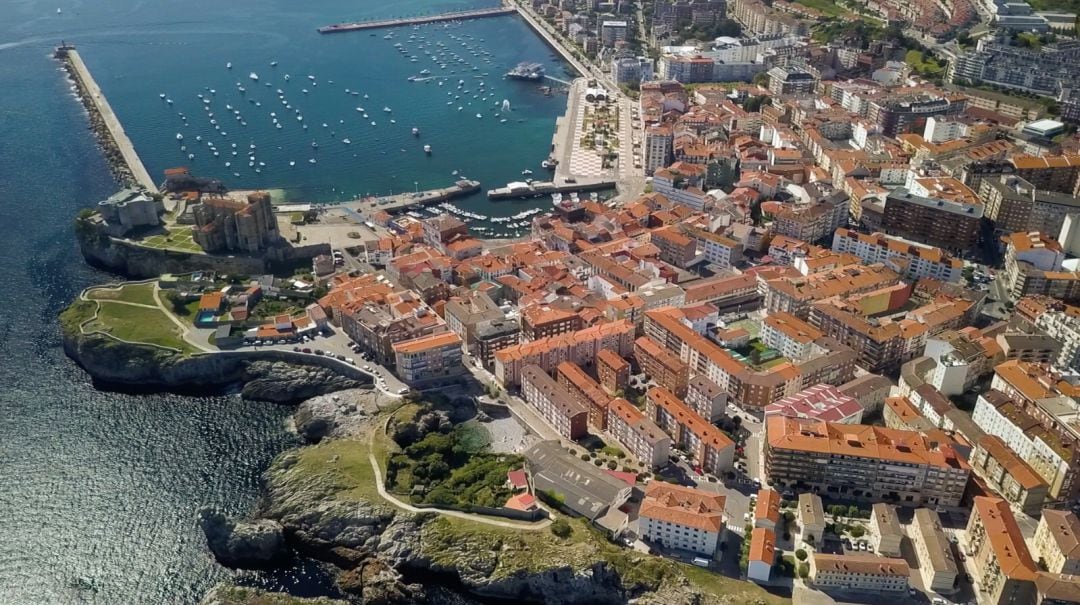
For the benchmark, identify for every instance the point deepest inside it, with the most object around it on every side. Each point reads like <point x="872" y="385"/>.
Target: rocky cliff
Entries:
<point x="115" y="363"/>
<point x="138" y="262"/>
<point x="325" y="499"/>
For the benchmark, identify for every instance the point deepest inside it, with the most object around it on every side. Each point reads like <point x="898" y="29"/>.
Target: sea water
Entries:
<point x="99" y="490"/>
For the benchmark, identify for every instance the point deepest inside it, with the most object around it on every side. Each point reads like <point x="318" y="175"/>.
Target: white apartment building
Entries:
<point x="937" y="565"/>
<point x="645" y="441"/>
<point x="659" y="141"/>
<point x="681" y="518"/>
<point x="718" y="250"/>
<point x="994" y="413"/>
<point x="791" y="336"/>
<point x="885" y="528"/>
<point x="859" y="572"/>
<point x="1057" y="541"/>
<point x="1063" y="327"/>
<point x="913" y="261"/>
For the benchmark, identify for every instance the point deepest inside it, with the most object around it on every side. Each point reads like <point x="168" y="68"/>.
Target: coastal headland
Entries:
<point x="332" y="503"/>
<point x="345" y="498"/>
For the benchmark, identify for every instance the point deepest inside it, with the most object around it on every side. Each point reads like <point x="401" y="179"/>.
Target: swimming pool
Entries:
<point x="204" y="317"/>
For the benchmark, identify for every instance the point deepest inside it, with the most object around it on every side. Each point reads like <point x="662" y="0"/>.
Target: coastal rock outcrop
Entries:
<point x="275" y="376"/>
<point x="283" y="382"/>
<point x="226" y="594"/>
<point x="246" y="544"/>
<point x="336" y="415"/>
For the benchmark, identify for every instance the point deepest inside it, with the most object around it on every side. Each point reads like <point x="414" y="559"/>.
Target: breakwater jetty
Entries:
<point x="419" y="20"/>
<point x="125" y="163"/>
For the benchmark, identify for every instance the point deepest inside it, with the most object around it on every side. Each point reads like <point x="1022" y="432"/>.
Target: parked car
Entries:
<point x="306" y="350"/>
<point x="350" y="360"/>
<point x="296" y="349"/>
<point x="319" y="352"/>
<point x="367" y="368"/>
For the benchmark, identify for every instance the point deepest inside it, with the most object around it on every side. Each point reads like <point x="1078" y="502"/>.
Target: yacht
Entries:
<point x="427" y="149"/>
<point x="387" y="109"/>
<point x="254" y="76"/>
<point x="416" y="132"/>
<point x="228" y="65"/>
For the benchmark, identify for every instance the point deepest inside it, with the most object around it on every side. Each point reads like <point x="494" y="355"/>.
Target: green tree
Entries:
<point x="804" y="570"/>
<point x="857" y="531"/>
<point x="800" y="554"/>
<point x="561" y="528"/>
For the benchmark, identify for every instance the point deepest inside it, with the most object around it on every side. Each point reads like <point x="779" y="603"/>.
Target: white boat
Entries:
<point x="292" y="163"/>
<point x="416" y="132"/>
<point x="427" y="149"/>
<point x="373" y="123"/>
<point x="273" y="64"/>
<point x="392" y="121"/>
<point x="162" y="95"/>
<point x="346" y="141"/>
<point x="387" y="109"/>
<point x="254" y="76"/>
<point x="286" y="77"/>
<point x="478" y="116"/>
<point x="179" y="137"/>
<point x="506" y="105"/>
<point x="311" y="161"/>
<point x="228" y="65"/>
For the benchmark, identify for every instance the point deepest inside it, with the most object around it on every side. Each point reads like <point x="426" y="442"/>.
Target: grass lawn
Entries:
<point x="750" y="326"/>
<point x="828" y="7"/>
<point x="177" y="238"/>
<point x="739" y="591"/>
<point x="138" y="324"/>
<point x="338" y="468"/>
<point x="142" y="294"/>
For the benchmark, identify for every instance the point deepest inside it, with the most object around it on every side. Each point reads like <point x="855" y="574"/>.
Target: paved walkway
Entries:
<point x="527" y="526"/>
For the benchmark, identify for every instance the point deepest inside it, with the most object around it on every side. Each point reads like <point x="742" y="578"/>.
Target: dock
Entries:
<point x="419" y="20"/>
<point x="404" y="201"/>
<point x="540" y="188"/>
<point x="113" y="137"/>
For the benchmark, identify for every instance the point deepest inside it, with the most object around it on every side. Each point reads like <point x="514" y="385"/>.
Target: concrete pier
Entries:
<point x="119" y="140"/>
<point x="409" y="199"/>
<point x="453" y="16"/>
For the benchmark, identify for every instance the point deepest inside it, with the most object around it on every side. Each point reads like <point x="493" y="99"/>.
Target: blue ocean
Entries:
<point x="100" y="489"/>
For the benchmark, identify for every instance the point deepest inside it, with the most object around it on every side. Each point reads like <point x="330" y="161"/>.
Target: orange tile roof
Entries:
<point x="768" y="505"/>
<point x="427" y="343"/>
<point x="683" y="506"/>
<point x="1012" y="463"/>
<point x="612" y="359"/>
<point x="932" y="448"/>
<point x="861" y="564"/>
<point x="793" y="327"/>
<point x="590" y="334"/>
<point x="763" y="545"/>
<point x="1005" y="539"/>
<point x="211" y="301"/>
<point x="704" y="430"/>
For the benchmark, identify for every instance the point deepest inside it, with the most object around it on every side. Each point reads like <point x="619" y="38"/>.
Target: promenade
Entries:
<point x="116" y="131"/>
<point x="548" y="37"/>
